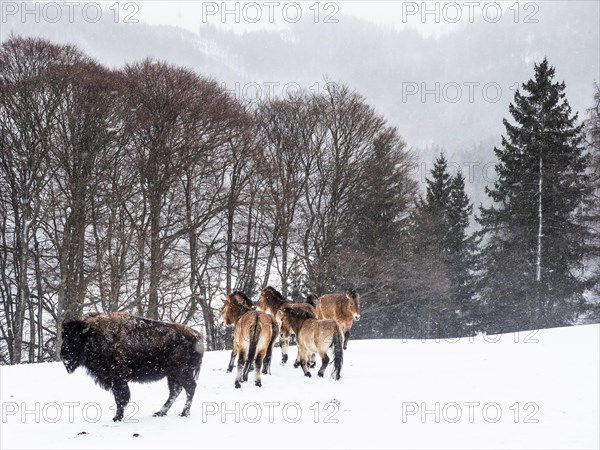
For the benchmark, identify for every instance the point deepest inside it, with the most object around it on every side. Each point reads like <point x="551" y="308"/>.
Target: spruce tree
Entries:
<point x="535" y="238"/>
<point x="446" y="250"/>
<point x="593" y="132"/>
<point x="371" y="257"/>
<point x="461" y="248"/>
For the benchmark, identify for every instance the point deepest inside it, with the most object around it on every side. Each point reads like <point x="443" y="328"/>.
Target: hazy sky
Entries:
<point x="429" y="18"/>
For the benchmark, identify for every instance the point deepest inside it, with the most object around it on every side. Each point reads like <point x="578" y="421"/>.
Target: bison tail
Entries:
<point x="198" y="348"/>
<point x="338" y="353"/>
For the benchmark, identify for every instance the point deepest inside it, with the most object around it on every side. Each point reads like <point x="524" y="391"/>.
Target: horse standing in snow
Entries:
<point x="254" y="335"/>
<point x="315" y="336"/>
<point x="117" y="348"/>
<point x="272" y="301"/>
<point x="343" y="308"/>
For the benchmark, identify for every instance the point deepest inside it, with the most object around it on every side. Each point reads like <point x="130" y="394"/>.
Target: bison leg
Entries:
<point x="324" y="364"/>
<point x="189" y="384"/>
<point x="231" y="361"/>
<point x="121" y="392"/>
<point x="174" y="390"/>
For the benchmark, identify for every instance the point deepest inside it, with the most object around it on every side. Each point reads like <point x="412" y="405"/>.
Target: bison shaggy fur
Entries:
<point x="118" y="347"/>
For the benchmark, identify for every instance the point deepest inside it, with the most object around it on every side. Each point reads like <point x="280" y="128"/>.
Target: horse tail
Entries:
<point x="254" y="337"/>
<point x="274" y="334"/>
<point x="338" y="353"/>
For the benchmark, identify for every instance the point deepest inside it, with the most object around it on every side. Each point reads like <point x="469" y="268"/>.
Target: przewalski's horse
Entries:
<point x="315" y="336"/>
<point x="254" y="335"/>
<point x="272" y="301"/>
<point x="117" y="348"/>
<point x="242" y="298"/>
<point x="343" y="308"/>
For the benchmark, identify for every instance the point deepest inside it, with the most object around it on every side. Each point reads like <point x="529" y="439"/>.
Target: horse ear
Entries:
<point x="351" y="294"/>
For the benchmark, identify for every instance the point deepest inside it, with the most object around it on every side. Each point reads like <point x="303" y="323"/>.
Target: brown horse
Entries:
<point x="315" y="336"/>
<point x="272" y="301"/>
<point x="343" y="308"/>
<point x="253" y="339"/>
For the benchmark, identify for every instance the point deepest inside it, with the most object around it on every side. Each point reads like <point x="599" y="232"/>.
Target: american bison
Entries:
<point x="118" y="347"/>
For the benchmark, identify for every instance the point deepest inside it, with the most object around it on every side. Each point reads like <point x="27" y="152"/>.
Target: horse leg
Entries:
<point x="304" y="355"/>
<point x="189" y="384"/>
<point x="266" y="366"/>
<point x="304" y="365"/>
<point x="257" y="365"/>
<point x="231" y="361"/>
<point x="284" y="343"/>
<point x="297" y="363"/>
<point x="240" y="368"/>
<point x="313" y="361"/>
<point x="346" y="335"/>
<point x="121" y="392"/>
<point x="174" y="390"/>
<point x="324" y="363"/>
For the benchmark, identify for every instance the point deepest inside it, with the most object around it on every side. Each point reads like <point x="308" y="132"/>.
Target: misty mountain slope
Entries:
<point x="534" y="389"/>
<point x="377" y="61"/>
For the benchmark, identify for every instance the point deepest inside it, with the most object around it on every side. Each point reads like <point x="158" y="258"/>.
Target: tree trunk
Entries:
<point x="284" y="263"/>
<point x="23" y="295"/>
<point x="155" y="258"/>
<point x="538" y="275"/>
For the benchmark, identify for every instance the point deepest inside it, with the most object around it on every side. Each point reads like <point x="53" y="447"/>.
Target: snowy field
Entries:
<point x="524" y="390"/>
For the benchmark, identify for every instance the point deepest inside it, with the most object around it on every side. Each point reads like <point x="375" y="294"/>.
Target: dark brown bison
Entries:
<point x="117" y="348"/>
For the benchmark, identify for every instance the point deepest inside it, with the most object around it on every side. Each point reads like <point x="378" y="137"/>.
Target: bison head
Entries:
<point x="74" y="335"/>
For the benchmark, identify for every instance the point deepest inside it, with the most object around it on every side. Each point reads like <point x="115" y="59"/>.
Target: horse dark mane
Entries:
<point x="243" y="297"/>
<point x="275" y="292"/>
<point x="273" y="298"/>
<point x="311" y="299"/>
<point x="297" y="313"/>
<point x="237" y="308"/>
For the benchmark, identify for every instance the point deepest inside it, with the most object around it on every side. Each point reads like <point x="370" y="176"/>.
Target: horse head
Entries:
<point x="353" y="298"/>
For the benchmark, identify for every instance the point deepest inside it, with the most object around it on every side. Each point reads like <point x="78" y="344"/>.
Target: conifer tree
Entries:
<point x="445" y="251"/>
<point x="534" y="232"/>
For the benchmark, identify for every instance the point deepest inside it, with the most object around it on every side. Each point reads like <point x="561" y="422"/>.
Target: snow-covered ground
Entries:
<point x="523" y="390"/>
